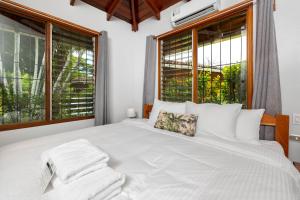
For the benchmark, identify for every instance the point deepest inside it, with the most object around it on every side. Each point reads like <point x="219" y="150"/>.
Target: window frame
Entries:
<point x="49" y="20"/>
<point x="243" y="7"/>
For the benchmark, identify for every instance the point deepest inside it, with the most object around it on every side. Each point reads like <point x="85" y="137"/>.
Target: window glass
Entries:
<point x="72" y="74"/>
<point x="221" y="68"/>
<point x="22" y="69"/>
<point x="176" y="68"/>
<point x="222" y="51"/>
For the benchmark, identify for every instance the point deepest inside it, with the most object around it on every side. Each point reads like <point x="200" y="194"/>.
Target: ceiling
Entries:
<point x="131" y="11"/>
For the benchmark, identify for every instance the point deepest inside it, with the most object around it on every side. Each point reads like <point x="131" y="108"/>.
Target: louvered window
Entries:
<point x="47" y="69"/>
<point x="72" y="74"/>
<point x="208" y="63"/>
<point x="176" y="68"/>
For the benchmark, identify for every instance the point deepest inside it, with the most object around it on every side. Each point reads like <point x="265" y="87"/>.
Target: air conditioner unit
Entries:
<point x="193" y="10"/>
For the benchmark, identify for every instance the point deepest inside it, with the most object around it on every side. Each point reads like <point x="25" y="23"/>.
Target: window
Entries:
<point x="22" y="66"/>
<point x="39" y="86"/>
<point x="222" y="61"/>
<point x="208" y="62"/>
<point x="72" y="74"/>
<point x="177" y="66"/>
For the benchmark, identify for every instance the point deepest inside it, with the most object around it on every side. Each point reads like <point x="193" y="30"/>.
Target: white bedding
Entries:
<point x="160" y="165"/>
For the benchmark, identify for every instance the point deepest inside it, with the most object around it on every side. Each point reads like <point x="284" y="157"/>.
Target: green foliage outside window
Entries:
<point x="222" y="87"/>
<point x="22" y="78"/>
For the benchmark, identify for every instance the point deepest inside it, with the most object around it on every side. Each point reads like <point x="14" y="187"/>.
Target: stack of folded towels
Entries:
<point x="82" y="173"/>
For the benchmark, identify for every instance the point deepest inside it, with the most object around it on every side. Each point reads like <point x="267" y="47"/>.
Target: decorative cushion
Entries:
<point x="165" y="106"/>
<point x="179" y="123"/>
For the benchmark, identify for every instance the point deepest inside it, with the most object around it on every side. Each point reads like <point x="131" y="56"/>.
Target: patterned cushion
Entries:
<point x="179" y="123"/>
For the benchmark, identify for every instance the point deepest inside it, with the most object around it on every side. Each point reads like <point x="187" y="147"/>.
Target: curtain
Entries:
<point x="101" y="99"/>
<point x="150" y="71"/>
<point x="267" y="93"/>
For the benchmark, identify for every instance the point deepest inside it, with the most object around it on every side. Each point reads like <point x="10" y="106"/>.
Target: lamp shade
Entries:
<point x="131" y="113"/>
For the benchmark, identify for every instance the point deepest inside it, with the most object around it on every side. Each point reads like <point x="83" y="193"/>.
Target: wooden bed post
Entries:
<point x="282" y="132"/>
<point x="147" y="110"/>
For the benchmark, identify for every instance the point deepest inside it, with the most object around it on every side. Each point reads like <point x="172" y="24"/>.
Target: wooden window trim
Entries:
<point x="243" y="7"/>
<point x="49" y="21"/>
<point x="159" y="68"/>
<point x="249" y="25"/>
<point x="8" y="127"/>
<point x="36" y="15"/>
<point x="195" y="64"/>
<point x="48" y="78"/>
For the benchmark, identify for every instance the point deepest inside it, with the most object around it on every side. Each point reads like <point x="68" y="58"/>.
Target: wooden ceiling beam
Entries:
<point x="154" y="9"/>
<point x="112" y="8"/>
<point x="121" y="9"/>
<point x="72" y="2"/>
<point x="134" y="10"/>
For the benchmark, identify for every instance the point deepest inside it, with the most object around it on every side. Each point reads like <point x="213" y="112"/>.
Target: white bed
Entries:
<point x="161" y="165"/>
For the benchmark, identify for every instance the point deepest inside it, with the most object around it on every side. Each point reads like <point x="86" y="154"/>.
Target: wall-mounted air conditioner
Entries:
<point x="193" y="10"/>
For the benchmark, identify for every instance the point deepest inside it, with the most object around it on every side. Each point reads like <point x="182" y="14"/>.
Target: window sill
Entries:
<point x="41" y="123"/>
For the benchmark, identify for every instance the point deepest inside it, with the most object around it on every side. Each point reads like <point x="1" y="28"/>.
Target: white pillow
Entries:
<point x="219" y="120"/>
<point x="248" y="125"/>
<point x="165" y="106"/>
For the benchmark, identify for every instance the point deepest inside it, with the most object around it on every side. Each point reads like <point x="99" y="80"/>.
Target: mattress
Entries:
<point x="161" y="165"/>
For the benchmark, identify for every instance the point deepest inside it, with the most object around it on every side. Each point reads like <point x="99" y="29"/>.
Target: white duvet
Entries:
<point x="160" y="165"/>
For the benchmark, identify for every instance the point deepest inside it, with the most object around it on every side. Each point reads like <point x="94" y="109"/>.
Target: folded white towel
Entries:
<point x="75" y="159"/>
<point x="103" y="184"/>
<point x="56" y="182"/>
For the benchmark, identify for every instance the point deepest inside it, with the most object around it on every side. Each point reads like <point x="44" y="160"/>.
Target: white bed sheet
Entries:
<point x="160" y="165"/>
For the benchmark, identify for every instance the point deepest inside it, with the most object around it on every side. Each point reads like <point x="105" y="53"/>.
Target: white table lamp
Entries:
<point x="131" y="113"/>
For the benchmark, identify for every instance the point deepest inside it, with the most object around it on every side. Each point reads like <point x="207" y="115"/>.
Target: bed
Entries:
<point x="162" y="165"/>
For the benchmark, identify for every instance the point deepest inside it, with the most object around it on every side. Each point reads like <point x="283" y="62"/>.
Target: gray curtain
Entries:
<point x="267" y="93"/>
<point x="150" y="71"/>
<point x="101" y="100"/>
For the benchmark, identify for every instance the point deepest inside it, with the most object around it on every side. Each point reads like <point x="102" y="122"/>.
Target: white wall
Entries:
<point x="127" y="52"/>
<point x="288" y="40"/>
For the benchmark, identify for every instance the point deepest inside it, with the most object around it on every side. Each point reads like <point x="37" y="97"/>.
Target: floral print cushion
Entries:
<point x="179" y="123"/>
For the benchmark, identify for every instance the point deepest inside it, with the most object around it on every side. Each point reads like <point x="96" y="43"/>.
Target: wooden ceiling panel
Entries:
<point x="97" y="4"/>
<point x="124" y="11"/>
<point x="144" y="12"/>
<point x="112" y="7"/>
<point x="131" y="11"/>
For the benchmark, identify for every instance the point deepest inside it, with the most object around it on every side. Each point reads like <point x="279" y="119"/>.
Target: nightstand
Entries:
<point x="297" y="165"/>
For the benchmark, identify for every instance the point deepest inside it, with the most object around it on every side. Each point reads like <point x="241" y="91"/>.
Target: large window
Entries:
<point x="222" y="61"/>
<point x="72" y="74"/>
<point x="209" y="62"/>
<point x="177" y="68"/>
<point x="22" y="69"/>
<point x="46" y="71"/>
